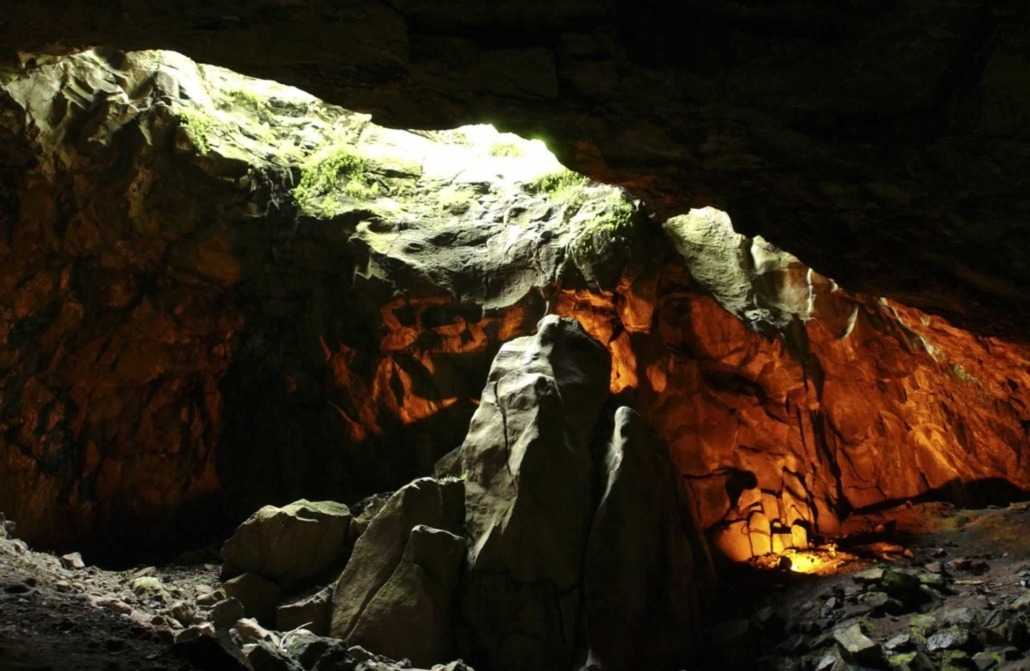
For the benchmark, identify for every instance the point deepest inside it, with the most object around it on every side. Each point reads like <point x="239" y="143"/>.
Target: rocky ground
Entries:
<point x="959" y="601"/>
<point x="933" y="587"/>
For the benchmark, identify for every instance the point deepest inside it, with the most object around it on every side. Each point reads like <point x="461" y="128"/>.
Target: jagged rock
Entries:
<point x="410" y="616"/>
<point x="211" y="653"/>
<point x="529" y="496"/>
<point x="259" y="596"/>
<point x="950" y="638"/>
<point x="72" y="561"/>
<point x="645" y="558"/>
<point x="288" y="544"/>
<point x="225" y="612"/>
<point x="308" y="648"/>
<point x="379" y="551"/>
<point x="250" y="631"/>
<point x="858" y="647"/>
<point x="266" y="657"/>
<point x="313" y="613"/>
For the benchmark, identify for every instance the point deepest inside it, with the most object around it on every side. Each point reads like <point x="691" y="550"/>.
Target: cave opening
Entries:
<point x="220" y="294"/>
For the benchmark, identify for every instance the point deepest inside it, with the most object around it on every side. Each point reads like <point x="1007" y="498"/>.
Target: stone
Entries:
<point x="949" y="638"/>
<point x="149" y="588"/>
<point x="379" y="551"/>
<point x="289" y="544"/>
<point x="642" y="592"/>
<point x="313" y="613"/>
<point x="900" y="642"/>
<point x="259" y="596"/>
<point x="984" y="661"/>
<point x="72" y="561"/>
<point x="858" y="647"/>
<point x="307" y="648"/>
<point x="410" y="615"/>
<point x="335" y="659"/>
<point x="250" y="631"/>
<point x="868" y="576"/>
<point x="213" y="653"/>
<point x="904" y="587"/>
<point x="183" y="613"/>
<point x="529" y="496"/>
<point x="226" y="612"/>
<point x="265" y="657"/>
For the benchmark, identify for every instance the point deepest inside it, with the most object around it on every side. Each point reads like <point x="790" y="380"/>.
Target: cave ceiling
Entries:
<point x="884" y="143"/>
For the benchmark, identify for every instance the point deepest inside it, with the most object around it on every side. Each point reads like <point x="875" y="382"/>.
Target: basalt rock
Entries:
<point x="529" y="496"/>
<point x="289" y="544"/>
<point x="390" y="557"/>
<point x="645" y="566"/>
<point x="212" y="300"/>
<point x="882" y="142"/>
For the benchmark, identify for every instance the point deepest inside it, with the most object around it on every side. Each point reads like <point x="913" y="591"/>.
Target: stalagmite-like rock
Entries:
<point x="646" y="562"/>
<point x="530" y="497"/>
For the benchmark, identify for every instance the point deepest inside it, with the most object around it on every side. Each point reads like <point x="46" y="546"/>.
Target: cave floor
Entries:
<point x="59" y="619"/>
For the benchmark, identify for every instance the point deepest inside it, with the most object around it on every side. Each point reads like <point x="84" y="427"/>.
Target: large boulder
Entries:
<point x="645" y="558"/>
<point x="377" y="554"/>
<point x="410" y="616"/>
<point x="530" y="495"/>
<point x="289" y="544"/>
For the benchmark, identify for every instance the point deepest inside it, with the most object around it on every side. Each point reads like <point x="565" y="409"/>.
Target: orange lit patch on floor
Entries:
<point x="823" y="561"/>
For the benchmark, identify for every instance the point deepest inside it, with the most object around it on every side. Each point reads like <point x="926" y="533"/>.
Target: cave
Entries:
<point x="566" y="335"/>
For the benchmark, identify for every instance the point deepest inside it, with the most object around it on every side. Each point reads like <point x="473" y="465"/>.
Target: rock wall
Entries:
<point x="882" y="141"/>
<point x="217" y="293"/>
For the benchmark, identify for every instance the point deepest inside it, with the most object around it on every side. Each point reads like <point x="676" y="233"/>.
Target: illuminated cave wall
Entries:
<point x="182" y="341"/>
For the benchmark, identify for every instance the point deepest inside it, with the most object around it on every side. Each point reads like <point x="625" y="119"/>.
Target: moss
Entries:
<point x="508" y="149"/>
<point x="199" y="127"/>
<point x="250" y="102"/>
<point x="903" y="658"/>
<point x="329" y="174"/>
<point x="557" y="183"/>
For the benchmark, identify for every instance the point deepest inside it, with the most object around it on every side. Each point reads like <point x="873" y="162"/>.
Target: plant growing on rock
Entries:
<point x="330" y="174"/>
<point x="198" y="126"/>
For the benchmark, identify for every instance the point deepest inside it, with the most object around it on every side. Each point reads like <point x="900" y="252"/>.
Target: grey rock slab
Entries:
<point x="410" y="616"/>
<point x="435" y="504"/>
<point x="949" y="638"/>
<point x="858" y="647"/>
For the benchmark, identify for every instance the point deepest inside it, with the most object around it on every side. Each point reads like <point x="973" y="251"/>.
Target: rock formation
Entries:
<point x="217" y="294"/>
<point x="884" y="143"/>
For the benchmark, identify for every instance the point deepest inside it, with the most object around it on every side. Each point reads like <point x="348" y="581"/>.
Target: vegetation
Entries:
<point x="249" y="102"/>
<point x="558" y="183"/>
<point x="509" y="149"/>
<point x="329" y="174"/>
<point x="198" y="126"/>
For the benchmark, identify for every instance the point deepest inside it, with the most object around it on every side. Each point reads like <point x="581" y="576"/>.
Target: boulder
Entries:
<point x="258" y="595"/>
<point x="530" y="496"/>
<point x="645" y="557"/>
<point x="289" y="544"/>
<point x="410" y="616"/>
<point x="429" y="502"/>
